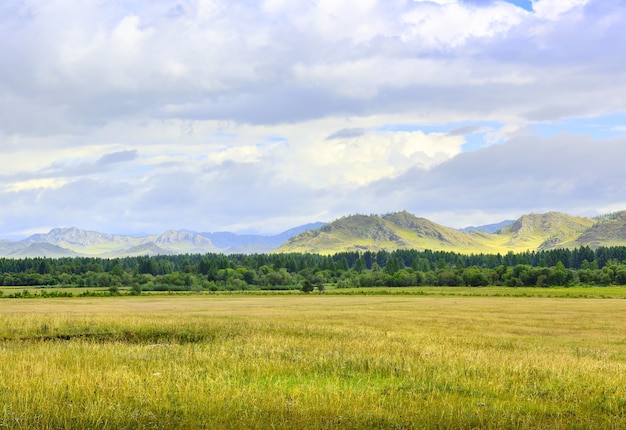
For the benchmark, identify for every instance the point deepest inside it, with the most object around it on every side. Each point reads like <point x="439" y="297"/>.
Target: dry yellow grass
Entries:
<point x="313" y="362"/>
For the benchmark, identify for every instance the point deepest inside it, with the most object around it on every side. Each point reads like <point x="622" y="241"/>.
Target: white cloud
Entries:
<point x="361" y="160"/>
<point x="552" y="9"/>
<point x="566" y="173"/>
<point x="448" y="24"/>
<point x="226" y="108"/>
<point x="35" y="184"/>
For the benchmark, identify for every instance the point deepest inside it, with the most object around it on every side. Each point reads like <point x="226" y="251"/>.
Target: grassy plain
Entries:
<point x="317" y="361"/>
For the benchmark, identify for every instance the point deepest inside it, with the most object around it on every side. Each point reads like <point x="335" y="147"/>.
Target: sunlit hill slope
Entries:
<point x="403" y="230"/>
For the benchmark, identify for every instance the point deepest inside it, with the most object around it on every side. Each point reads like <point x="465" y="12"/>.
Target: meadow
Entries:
<point x="346" y="361"/>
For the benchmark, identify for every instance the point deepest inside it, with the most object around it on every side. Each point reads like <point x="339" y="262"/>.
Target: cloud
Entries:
<point x="72" y="168"/>
<point x="117" y="157"/>
<point x="526" y="174"/>
<point x="553" y="113"/>
<point x="236" y="113"/>
<point x="461" y="131"/>
<point x="568" y="173"/>
<point x="553" y="9"/>
<point x="346" y="133"/>
<point x="275" y="62"/>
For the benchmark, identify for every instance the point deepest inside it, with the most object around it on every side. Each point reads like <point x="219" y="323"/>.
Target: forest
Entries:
<point x="308" y="272"/>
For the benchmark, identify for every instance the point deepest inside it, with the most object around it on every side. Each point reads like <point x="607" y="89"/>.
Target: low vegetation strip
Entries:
<point x="310" y="272"/>
<point x="315" y="361"/>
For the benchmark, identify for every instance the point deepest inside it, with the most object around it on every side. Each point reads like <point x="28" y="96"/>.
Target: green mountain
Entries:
<point x="400" y="230"/>
<point x="544" y="231"/>
<point x="392" y="231"/>
<point x="403" y="230"/>
<point x="608" y="230"/>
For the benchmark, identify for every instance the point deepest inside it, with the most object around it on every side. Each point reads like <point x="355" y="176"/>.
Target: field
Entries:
<point x="316" y="361"/>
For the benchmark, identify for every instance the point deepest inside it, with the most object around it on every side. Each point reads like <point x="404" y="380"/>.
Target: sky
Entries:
<point x="257" y="116"/>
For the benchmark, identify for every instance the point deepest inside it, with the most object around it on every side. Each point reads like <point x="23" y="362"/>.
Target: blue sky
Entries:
<point x="214" y="115"/>
<point x="525" y="4"/>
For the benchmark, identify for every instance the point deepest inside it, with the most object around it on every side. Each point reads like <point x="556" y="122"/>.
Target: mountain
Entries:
<point x="77" y="238"/>
<point x="74" y="242"/>
<point x="150" y="249"/>
<point x="545" y="231"/>
<point x="400" y="230"/>
<point x="403" y="230"/>
<point x="184" y="242"/>
<point x="489" y="228"/>
<point x="41" y="250"/>
<point x="92" y="243"/>
<point x="253" y="243"/>
<point x="609" y="230"/>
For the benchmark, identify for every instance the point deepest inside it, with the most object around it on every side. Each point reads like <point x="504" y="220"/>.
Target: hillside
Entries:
<point x="40" y="250"/>
<point x="400" y="230"/>
<point x="403" y="230"/>
<point x="609" y="230"/>
<point x="544" y="231"/>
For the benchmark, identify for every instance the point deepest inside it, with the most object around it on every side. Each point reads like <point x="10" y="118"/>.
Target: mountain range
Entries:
<point x="399" y="230"/>
<point x="403" y="230"/>
<point x="74" y="242"/>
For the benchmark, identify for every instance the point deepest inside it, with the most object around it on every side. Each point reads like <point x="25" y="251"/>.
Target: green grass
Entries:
<point x="316" y="361"/>
<point x="37" y="289"/>
<point x="614" y="292"/>
<point x="605" y="292"/>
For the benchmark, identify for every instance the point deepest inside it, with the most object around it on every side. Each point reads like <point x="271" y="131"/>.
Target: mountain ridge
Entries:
<point x="488" y="228"/>
<point x="76" y="242"/>
<point x="397" y="230"/>
<point x="402" y="230"/>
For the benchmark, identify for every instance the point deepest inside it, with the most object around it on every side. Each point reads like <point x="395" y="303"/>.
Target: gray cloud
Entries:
<point x="554" y="113"/>
<point x="106" y="75"/>
<point x="65" y="169"/>
<point x="566" y="173"/>
<point x="462" y="131"/>
<point x="237" y="62"/>
<point x="346" y="133"/>
<point x="117" y="157"/>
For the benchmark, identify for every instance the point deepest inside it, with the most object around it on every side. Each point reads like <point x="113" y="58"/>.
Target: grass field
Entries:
<point x="317" y="361"/>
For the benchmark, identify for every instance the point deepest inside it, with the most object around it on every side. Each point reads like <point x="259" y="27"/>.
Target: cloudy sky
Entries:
<point x="257" y="116"/>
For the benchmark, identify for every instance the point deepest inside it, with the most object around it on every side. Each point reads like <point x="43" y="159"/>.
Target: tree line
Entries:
<point x="558" y="267"/>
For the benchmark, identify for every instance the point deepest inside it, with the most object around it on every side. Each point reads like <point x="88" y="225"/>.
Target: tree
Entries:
<point x="147" y="265"/>
<point x="359" y="265"/>
<point x="307" y="286"/>
<point x="44" y="267"/>
<point x="392" y="266"/>
<point x="475" y="277"/>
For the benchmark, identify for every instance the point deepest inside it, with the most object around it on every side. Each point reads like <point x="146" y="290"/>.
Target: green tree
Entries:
<point x="392" y="266"/>
<point x="307" y="286"/>
<point x="359" y="265"/>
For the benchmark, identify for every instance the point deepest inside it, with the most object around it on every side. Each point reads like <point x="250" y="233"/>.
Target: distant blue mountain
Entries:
<point x="489" y="228"/>
<point x="255" y="243"/>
